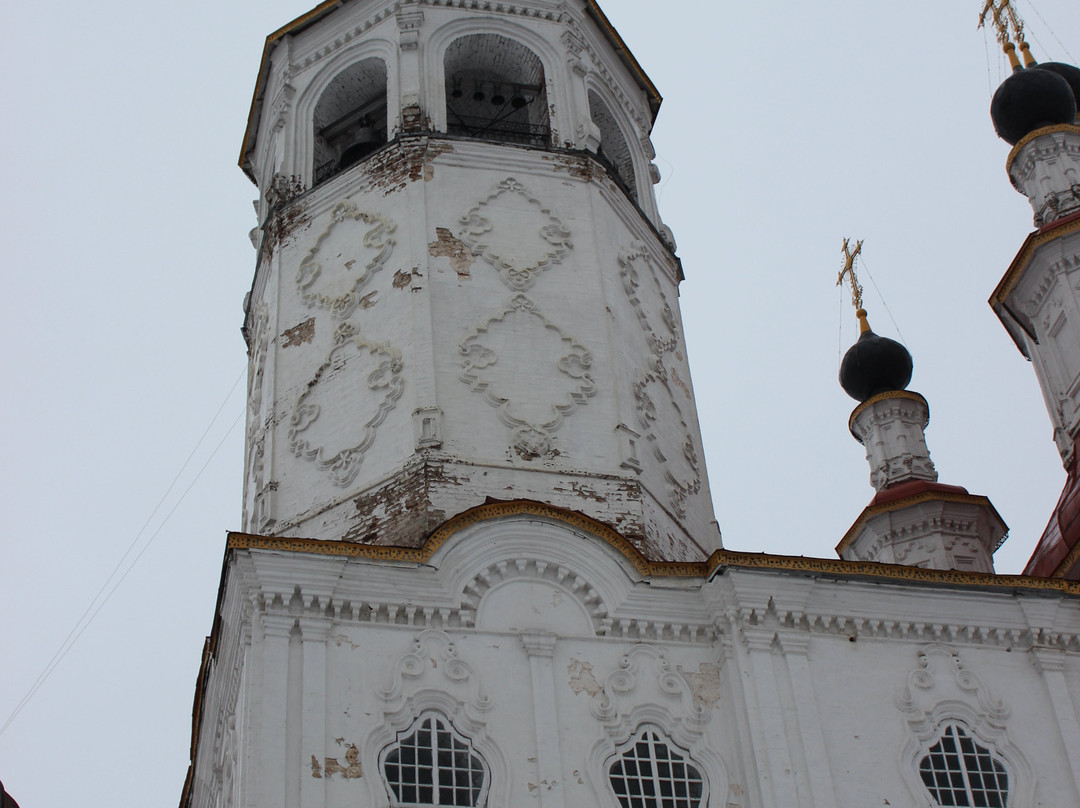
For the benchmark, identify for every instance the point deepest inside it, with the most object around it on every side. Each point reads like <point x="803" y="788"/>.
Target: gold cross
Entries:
<point x="849" y="270"/>
<point x="1006" y="22"/>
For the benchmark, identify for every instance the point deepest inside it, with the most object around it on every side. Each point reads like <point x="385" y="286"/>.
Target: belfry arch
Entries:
<point x="350" y="120"/>
<point x="613" y="152"/>
<point x="496" y="90"/>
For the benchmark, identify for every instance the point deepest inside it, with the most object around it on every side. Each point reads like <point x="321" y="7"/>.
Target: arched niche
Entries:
<point x="614" y="153"/>
<point x="349" y="121"/>
<point x="495" y="90"/>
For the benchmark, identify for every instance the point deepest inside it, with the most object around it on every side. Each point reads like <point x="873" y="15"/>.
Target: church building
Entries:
<point x="479" y="564"/>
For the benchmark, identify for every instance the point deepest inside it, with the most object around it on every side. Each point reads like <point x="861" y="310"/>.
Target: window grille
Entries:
<point x="432" y="765"/>
<point x="650" y="774"/>
<point x="957" y="771"/>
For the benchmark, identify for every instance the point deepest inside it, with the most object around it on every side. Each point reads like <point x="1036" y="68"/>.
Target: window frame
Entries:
<point x="956" y="733"/>
<point x="440" y="723"/>
<point x="653" y="736"/>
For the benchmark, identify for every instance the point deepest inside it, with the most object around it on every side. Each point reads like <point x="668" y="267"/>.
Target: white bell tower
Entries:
<point x="463" y="289"/>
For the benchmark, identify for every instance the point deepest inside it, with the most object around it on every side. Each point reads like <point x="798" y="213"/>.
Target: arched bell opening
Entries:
<point x="350" y="118"/>
<point x="614" y="153"/>
<point x="495" y="91"/>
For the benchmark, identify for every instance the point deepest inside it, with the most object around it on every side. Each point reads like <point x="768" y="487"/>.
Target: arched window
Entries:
<point x="350" y="118"/>
<point x="430" y="764"/>
<point x="613" y="153"/>
<point x="648" y="772"/>
<point x="959" y="771"/>
<point x="495" y="91"/>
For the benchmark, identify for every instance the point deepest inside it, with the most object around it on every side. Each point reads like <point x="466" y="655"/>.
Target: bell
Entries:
<point x="364" y="141"/>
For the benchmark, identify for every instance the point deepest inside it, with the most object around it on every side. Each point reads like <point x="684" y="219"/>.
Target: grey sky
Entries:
<point x="785" y="127"/>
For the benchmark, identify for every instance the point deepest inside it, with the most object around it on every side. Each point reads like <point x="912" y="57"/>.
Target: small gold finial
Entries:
<point x="1007" y="26"/>
<point x="856" y="288"/>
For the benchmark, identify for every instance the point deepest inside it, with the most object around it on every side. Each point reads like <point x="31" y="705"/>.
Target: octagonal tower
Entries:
<point x="463" y="290"/>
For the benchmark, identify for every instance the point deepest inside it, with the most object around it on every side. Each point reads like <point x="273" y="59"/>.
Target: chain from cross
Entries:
<point x="849" y="270"/>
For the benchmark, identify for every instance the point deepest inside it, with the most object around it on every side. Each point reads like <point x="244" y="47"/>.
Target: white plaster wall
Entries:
<point x="547" y="649"/>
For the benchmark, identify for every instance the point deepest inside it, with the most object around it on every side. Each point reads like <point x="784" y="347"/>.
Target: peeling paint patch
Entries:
<point x="461" y="257"/>
<point x="284" y="222"/>
<point x="350" y="771"/>
<point x="705" y="684"/>
<point x="316" y="770"/>
<point x="340" y="640"/>
<point x="585" y="492"/>
<point x="402" y="279"/>
<point x="581" y="678"/>
<point x="400" y="512"/>
<point x="368" y="300"/>
<point x="299" y="334"/>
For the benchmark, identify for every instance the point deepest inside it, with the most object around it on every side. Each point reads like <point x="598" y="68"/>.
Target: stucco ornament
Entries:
<point x="516" y="234"/>
<point x="659" y="387"/>
<point x="353" y="247"/>
<point x="559" y="380"/>
<point x="319" y="441"/>
<point x="940" y="692"/>
<point x="647" y="690"/>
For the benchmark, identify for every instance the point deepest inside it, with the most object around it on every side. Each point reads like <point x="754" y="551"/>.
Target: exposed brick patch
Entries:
<point x="461" y="257"/>
<point x="299" y="334"/>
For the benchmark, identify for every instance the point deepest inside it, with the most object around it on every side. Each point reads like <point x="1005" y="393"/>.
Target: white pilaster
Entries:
<point x="540" y="646"/>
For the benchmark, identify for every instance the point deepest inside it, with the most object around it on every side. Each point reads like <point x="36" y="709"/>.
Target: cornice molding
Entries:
<point x="718" y="562"/>
<point x="1051" y="232"/>
<point x="906" y="502"/>
<point x="1030" y="136"/>
<point x="481" y="513"/>
<point x="906" y="395"/>
<point x="870" y="570"/>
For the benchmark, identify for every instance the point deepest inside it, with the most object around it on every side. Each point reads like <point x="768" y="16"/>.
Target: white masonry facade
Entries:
<point x="479" y="564"/>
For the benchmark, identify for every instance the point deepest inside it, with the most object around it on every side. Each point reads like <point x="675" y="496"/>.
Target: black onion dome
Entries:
<point x="1070" y="73"/>
<point x="1028" y="99"/>
<point x="874" y="365"/>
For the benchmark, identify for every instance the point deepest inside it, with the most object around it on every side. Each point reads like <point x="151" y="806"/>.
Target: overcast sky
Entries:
<point x="785" y="127"/>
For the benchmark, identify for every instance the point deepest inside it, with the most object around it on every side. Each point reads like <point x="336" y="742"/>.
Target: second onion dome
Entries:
<point x="874" y="364"/>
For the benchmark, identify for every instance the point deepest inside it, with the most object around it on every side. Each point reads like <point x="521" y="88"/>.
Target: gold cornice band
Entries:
<point x="891" y="572"/>
<point x="481" y="513"/>
<point x="1033" y="242"/>
<point x="717" y="562"/>
<point x="910" y="395"/>
<point x="1030" y="136"/>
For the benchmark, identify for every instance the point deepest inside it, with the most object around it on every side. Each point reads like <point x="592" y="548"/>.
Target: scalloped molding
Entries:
<point x="431" y="676"/>
<point x="309" y="277"/>
<point x="482" y="236"/>
<point x="385" y="380"/>
<point x="662" y="341"/>
<point x="939" y="691"/>
<point x="481" y="349"/>
<point x="646" y="690"/>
